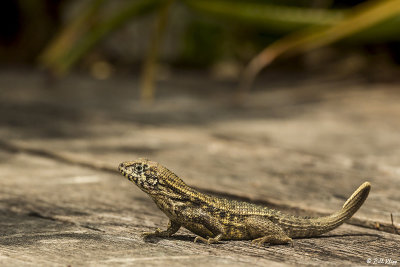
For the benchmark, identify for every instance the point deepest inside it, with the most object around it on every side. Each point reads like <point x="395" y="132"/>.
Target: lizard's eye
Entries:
<point x="139" y="168"/>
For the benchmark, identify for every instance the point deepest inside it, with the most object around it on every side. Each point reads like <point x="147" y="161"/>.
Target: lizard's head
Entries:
<point x="143" y="172"/>
<point x="151" y="177"/>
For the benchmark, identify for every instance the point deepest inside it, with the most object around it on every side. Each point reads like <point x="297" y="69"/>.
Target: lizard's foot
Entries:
<point x="205" y="240"/>
<point x="273" y="240"/>
<point x="157" y="233"/>
<point x="258" y="241"/>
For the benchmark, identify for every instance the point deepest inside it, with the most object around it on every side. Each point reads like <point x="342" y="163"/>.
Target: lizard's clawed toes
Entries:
<point x="258" y="242"/>
<point x="152" y="234"/>
<point x="205" y="240"/>
<point x="267" y="239"/>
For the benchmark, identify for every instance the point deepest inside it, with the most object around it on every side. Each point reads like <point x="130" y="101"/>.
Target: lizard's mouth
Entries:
<point x="122" y="169"/>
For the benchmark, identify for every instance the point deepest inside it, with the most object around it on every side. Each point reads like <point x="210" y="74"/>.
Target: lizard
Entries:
<point x="213" y="218"/>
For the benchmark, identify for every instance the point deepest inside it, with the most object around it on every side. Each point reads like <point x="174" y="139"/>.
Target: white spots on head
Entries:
<point x="152" y="181"/>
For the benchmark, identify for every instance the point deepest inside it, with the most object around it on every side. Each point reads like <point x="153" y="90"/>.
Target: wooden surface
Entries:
<point x="301" y="146"/>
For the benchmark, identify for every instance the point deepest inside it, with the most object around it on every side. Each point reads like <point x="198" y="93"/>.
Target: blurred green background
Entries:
<point x="228" y="39"/>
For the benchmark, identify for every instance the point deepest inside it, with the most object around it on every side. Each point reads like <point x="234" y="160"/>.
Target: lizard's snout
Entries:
<point x="121" y="168"/>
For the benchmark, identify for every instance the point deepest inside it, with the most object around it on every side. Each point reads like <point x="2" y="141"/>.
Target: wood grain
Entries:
<point x="300" y="149"/>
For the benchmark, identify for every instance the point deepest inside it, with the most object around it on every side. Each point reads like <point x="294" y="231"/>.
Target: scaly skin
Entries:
<point x="213" y="219"/>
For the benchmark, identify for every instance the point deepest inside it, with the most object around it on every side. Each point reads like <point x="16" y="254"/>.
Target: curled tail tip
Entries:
<point x="365" y="188"/>
<point x="366" y="185"/>
<point x="359" y="195"/>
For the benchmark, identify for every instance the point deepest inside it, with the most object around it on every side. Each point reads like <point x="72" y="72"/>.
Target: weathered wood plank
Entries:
<point x="301" y="147"/>
<point x="97" y="219"/>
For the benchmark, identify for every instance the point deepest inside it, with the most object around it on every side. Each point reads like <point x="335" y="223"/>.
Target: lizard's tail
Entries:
<point x="317" y="226"/>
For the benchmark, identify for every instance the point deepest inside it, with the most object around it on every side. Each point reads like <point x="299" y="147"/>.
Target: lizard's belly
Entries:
<point x="237" y="232"/>
<point x="198" y="229"/>
<point x="232" y="232"/>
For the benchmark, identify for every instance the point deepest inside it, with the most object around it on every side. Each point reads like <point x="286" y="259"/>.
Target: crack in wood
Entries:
<point x="52" y="218"/>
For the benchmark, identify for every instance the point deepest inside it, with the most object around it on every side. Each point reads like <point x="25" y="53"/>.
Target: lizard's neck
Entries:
<point x="176" y="187"/>
<point x="181" y="192"/>
<point x="176" y="192"/>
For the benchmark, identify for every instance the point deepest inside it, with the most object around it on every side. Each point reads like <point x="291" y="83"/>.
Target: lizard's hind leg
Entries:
<point x="266" y="231"/>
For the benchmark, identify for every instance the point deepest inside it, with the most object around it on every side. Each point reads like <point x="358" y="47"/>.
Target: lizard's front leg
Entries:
<point x="173" y="227"/>
<point x="211" y="223"/>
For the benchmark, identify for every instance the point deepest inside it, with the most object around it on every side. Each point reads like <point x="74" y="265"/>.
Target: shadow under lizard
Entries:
<point x="213" y="218"/>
